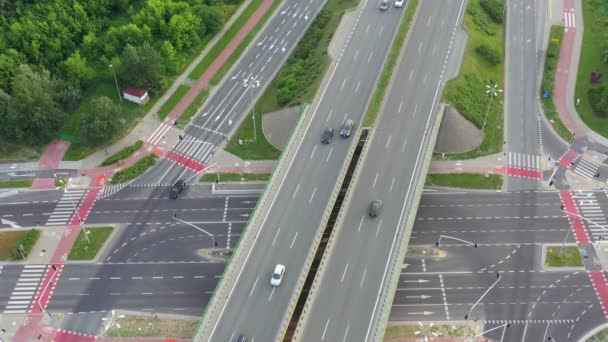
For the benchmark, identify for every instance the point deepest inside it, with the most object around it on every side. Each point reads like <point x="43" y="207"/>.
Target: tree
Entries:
<point x="142" y="67"/>
<point x="32" y="117"/>
<point x="100" y="123"/>
<point x="212" y="17"/>
<point x="9" y="62"/>
<point x="185" y="29"/>
<point x="76" y="71"/>
<point x="170" y="55"/>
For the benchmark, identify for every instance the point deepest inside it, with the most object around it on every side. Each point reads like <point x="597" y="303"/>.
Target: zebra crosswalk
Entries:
<point x="195" y="149"/>
<point x="110" y="190"/>
<point x="65" y="207"/>
<point x="23" y="294"/>
<point x="524" y="161"/>
<point x="586" y="168"/>
<point x="590" y="209"/>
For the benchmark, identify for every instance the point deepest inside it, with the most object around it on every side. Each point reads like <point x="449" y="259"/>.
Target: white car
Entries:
<point x="399" y="3"/>
<point x="277" y="275"/>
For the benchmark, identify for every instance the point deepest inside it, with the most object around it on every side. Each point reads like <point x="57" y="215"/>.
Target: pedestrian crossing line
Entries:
<point x="23" y="293"/>
<point x="65" y="207"/>
<point x="524" y="165"/>
<point x="590" y="209"/>
<point x="586" y="168"/>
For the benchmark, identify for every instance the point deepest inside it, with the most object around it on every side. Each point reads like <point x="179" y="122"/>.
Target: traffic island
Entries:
<point x="17" y="244"/>
<point x="87" y="249"/>
<point x="561" y="256"/>
<point x="149" y="325"/>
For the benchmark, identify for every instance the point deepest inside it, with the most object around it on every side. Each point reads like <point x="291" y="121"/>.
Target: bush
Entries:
<point x="598" y="98"/>
<point x="494" y="8"/>
<point x="27" y="241"/>
<point x="490" y="55"/>
<point x="481" y="19"/>
<point x="134" y="171"/>
<point x="468" y="101"/>
<point x="122" y="154"/>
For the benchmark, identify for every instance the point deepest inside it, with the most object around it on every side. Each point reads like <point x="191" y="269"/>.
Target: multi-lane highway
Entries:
<point x="347" y="302"/>
<point x="298" y="206"/>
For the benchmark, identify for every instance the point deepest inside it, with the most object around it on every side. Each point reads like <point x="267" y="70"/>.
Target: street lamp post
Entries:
<point x="251" y="83"/>
<point x="483" y="295"/>
<point x="116" y="82"/>
<point x="493" y="90"/>
<point x="201" y="229"/>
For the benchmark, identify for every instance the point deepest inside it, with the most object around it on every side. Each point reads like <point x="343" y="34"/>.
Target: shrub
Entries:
<point x="490" y="55"/>
<point x="481" y="19"/>
<point x="598" y="98"/>
<point x="494" y="8"/>
<point x="122" y="154"/>
<point x="134" y="171"/>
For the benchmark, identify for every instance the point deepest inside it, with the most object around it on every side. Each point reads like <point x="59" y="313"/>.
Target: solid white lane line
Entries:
<point x="392" y="183"/>
<point x="313" y="151"/>
<point x="360" y="223"/>
<point x="356" y="54"/>
<point x="275" y="236"/>
<point x="378" y="229"/>
<point x="429" y="21"/>
<point x="411" y="74"/>
<point x="375" y="179"/>
<point x="434" y="48"/>
<point x="294" y="240"/>
<point x="346" y="333"/>
<point x="404" y="143"/>
<point x="357" y="87"/>
<point x="343" y="83"/>
<point x="295" y="192"/>
<point x="325" y="330"/>
<point x="415" y="109"/>
<point x="363" y="277"/>
<point x="420" y="47"/>
<point x="329" y="116"/>
<point x="388" y="142"/>
<point x="271" y="293"/>
<point x="344" y="273"/>
<point x="329" y="154"/>
<point x="381" y="29"/>
<point x="370" y="57"/>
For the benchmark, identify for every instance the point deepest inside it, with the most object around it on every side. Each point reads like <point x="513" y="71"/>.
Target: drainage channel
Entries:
<point x="326" y="234"/>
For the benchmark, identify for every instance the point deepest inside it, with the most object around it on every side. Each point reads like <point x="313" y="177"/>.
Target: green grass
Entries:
<point x="134" y="171"/>
<point x="595" y="36"/>
<point x="27" y="240"/>
<point x="150" y="326"/>
<point x="465" y="180"/>
<point x="122" y="154"/>
<point x="131" y="113"/>
<point x="466" y="93"/>
<point x="8" y="239"/>
<point x="389" y="65"/>
<point x="16" y="184"/>
<point x="395" y="331"/>
<point x="569" y="257"/>
<point x="221" y="44"/>
<point x="263" y="150"/>
<point x="184" y="119"/>
<point x="168" y="106"/>
<point x="601" y="336"/>
<point x="11" y="152"/>
<point x="60" y="182"/>
<point x="553" y="49"/>
<point x="82" y="250"/>
<point x="236" y="177"/>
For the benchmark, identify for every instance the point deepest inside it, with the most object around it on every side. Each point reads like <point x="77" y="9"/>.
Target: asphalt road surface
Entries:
<point x="346" y="302"/>
<point x="525" y="35"/>
<point x="297" y="208"/>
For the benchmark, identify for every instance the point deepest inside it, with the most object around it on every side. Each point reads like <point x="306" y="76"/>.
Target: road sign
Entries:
<point x="546" y="94"/>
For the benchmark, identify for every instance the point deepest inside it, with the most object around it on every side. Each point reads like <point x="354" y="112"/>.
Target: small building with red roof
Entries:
<point x="136" y="95"/>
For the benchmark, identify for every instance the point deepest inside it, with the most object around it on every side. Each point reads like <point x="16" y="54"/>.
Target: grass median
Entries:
<point x="134" y="171"/>
<point x="593" y="58"/>
<point x="548" y="84"/>
<point x="236" y="177"/>
<point x="11" y="240"/>
<point x="123" y="154"/>
<point x="418" y="331"/>
<point x="168" y="106"/>
<point x="82" y="249"/>
<point x="465" y="180"/>
<point x="198" y="102"/>
<point x="152" y="326"/>
<point x="482" y="64"/>
<point x="567" y="256"/>
<point x="16" y="184"/>
<point x="389" y="65"/>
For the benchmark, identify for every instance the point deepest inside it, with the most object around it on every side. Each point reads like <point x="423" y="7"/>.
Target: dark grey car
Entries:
<point x="375" y="208"/>
<point x="327" y="136"/>
<point x="177" y="189"/>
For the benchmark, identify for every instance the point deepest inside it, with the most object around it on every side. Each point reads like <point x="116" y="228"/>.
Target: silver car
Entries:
<point x="347" y="128"/>
<point x="383" y="6"/>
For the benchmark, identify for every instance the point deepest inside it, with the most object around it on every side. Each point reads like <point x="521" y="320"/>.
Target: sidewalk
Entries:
<point x="493" y="164"/>
<point x="150" y="123"/>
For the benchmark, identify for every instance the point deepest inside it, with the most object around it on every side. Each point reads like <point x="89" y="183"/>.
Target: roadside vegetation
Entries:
<point x="482" y="64"/>
<point x="168" y="106"/>
<point x="16" y="184"/>
<point x="548" y="84"/>
<point x="83" y="250"/>
<point x="593" y="90"/>
<point x="61" y="182"/>
<point x="465" y="180"/>
<point x="151" y="326"/>
<point x="390" y="64"/>
<point x="236" y="177"/>
<point x="57" y="75"/>
<point x="428" y="331"/>
<point x="296" y="83"/>
<point x="601" y="336"/>
<point x="11" y="241"/>
<point x="134" y="171"/>
<point x="123" y="154"/>
<point x="568" y="256"/>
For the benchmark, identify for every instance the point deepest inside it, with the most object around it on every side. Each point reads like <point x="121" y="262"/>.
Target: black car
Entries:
<point x="327" y="136"/>
<point x="177" y="189"/>
<point x="375" y="207"/>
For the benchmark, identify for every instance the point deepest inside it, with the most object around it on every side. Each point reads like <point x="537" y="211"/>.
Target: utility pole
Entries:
<point x="493" y="90"/>
<point x="116" y="82"/>
<point x="251" y="83"/>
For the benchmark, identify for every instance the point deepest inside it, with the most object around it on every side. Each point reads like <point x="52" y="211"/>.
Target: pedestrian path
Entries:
<point x="524" y="165"/>
<point x="586" y="168"/>
<point x="23" y="294"/>
<point x="65" y="207"/>
<point x="569" y="202"/>
<point x="568" y="158"/>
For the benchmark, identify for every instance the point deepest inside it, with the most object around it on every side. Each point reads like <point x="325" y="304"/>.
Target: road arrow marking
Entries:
<point x="245" y="215"/>
<point x="10" y="223"/>
<point x="426" y="313"/>
<point x="416" y="281"/>
<point x="420" y="297"/>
